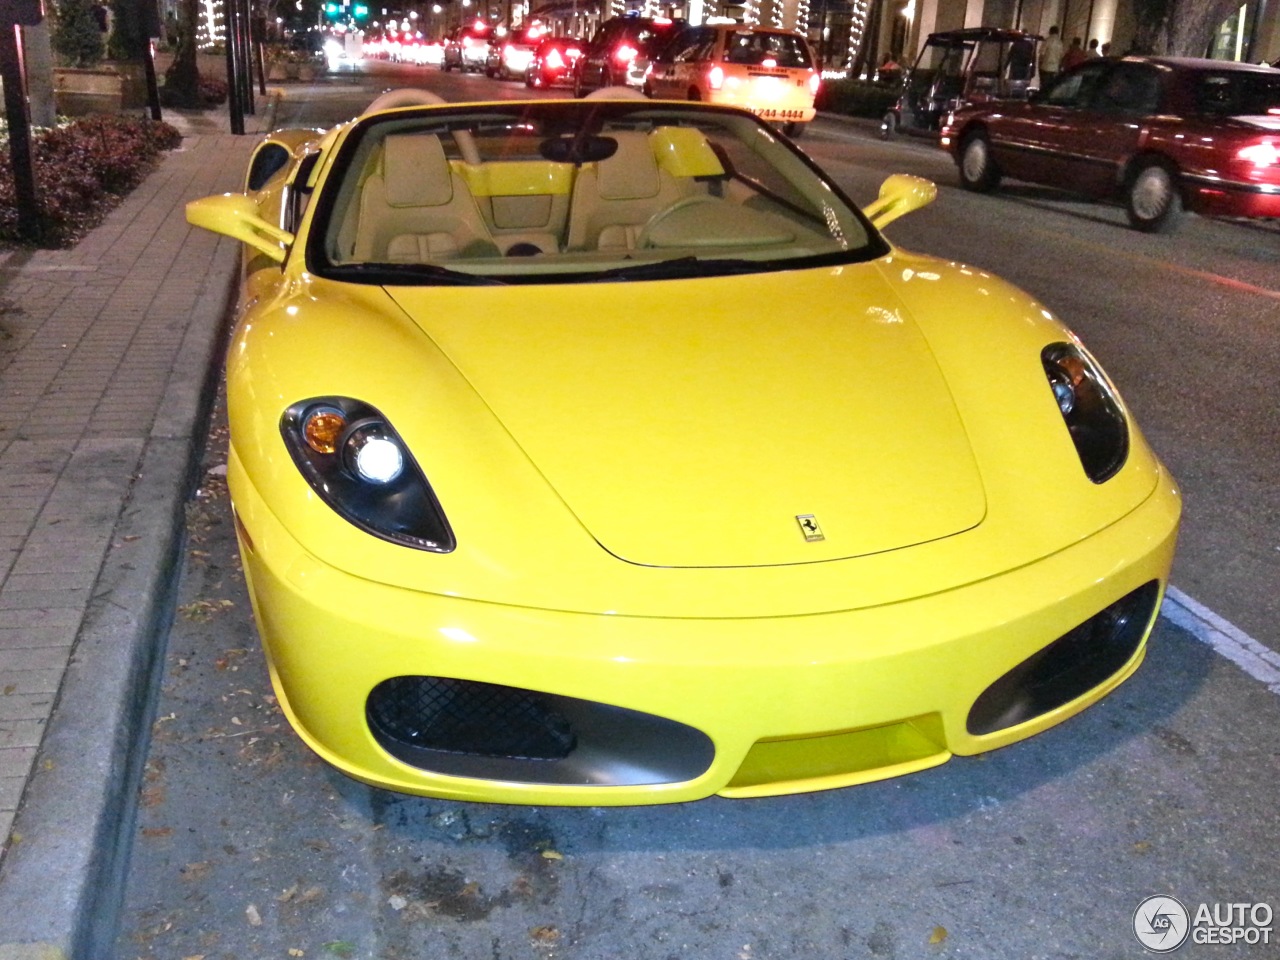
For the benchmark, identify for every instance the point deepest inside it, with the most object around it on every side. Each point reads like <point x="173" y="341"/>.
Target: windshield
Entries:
<point x="563" y="191"/>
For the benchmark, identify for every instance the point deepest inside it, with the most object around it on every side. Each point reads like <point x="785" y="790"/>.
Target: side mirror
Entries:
<point x="236" y="216"/>
<point x="899" y="194"/>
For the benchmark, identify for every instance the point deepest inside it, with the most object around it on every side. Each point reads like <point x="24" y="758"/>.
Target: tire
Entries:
<point x="694" y="96"/>
<point x="978" y="170"/>
<point x="1153" y="200"/>
<point x="795" y="129"/>
<point x="888" y="125"/>
<point x="579" y="88"/>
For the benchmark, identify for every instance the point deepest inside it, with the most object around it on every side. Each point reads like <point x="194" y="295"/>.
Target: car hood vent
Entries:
<point x="695" y="423"/>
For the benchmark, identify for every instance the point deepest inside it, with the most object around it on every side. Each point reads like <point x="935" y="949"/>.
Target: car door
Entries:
<point x="1036" y="141"/>
<point x="1094" y="137"/>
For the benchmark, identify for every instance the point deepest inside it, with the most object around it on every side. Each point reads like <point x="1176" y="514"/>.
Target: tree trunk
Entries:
<point x="182" y="79"/>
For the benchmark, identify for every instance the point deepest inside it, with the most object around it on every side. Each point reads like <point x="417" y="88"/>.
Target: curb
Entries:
<point x="64" y="876"/>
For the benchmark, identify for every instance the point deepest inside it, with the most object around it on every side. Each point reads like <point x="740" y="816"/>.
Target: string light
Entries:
<point x="859" y="10"/>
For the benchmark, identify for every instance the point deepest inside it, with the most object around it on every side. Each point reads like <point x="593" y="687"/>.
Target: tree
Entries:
<point x="127" y="41"/>
<point x="1179" y="28"/>
<point x="75" y="37"/>
<point x="182" y="79"/>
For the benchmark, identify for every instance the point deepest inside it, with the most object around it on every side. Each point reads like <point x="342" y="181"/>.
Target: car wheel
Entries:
<point x="530" y="80"/>
<point x="694" y="95"/>
<point x="1153" y="202"/>
<point x="794" y="129"/>
<point x="579" y="88"/>
<point x="978" y="170"/>
<point x="888" y="125"/>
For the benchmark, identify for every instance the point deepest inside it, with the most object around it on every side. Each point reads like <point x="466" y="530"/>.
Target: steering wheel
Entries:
<point x="684" y="203"/>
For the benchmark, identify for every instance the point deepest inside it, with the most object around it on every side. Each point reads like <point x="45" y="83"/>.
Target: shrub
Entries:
<point x="82" y="170"/>
<point x="213" y="91"/>
<point x="856" y="98"/>
<point x="75" y="36"/>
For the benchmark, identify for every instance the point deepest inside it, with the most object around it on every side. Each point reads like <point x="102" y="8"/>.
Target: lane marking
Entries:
<point x="1254" y="658"/>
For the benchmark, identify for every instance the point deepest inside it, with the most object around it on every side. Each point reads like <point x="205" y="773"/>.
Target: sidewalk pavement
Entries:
<point x="109" y="356"/>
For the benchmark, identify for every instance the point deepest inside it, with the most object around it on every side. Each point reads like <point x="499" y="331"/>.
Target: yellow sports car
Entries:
<point x="604" y="452"/>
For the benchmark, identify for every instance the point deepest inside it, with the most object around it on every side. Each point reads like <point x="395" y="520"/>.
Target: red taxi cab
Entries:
<point x="772" y="73"/>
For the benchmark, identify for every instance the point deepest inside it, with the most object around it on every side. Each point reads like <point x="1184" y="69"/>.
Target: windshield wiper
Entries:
<point x="402" y="273"/>
<point x="679" y="267"/>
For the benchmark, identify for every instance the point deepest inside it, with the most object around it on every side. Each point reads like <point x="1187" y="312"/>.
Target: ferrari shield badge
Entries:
<point x="809" y="527"/>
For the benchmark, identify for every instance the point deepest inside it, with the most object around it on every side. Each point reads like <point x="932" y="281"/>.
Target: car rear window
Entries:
<point x="754" y="47"/>
<point x="1239" y="93"/>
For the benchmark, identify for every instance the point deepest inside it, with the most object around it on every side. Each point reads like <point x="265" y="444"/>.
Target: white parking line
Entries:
<point x="1256" y="659"/>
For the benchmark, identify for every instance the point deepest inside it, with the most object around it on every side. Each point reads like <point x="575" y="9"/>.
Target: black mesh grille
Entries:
<point x="465" y="716"/>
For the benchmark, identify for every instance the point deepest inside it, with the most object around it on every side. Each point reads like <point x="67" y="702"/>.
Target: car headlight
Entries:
<point x="1089" y="406"/>
<point x="357" y="464"/>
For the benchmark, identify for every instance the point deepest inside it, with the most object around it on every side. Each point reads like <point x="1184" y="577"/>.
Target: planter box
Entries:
<point x="110" y="88"/>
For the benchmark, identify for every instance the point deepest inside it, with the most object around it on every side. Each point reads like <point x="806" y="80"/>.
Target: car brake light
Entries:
<point x="769" y="62"/>
<point x="554" y="60"/>
<point x="507" y="49"/>
<point x="1264" y="153"/>
<point x="815" y="81"/>
<point x="625" y="54"/>
<point x="574" y="53"/>
<point x="715" y="78"/>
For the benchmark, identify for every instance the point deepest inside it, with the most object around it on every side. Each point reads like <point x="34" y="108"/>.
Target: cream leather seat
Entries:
<point x="415" y="209"/>
<point x="614" y="198"/>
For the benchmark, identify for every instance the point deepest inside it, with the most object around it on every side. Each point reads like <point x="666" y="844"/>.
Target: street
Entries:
<point x="248" y="846"/>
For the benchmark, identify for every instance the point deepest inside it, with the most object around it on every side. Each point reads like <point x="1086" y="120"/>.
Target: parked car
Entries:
<point x="553" y="62"/>
<point x="620" y="51"/>
<point x="604" y="452"/>
<point x="1159" y="134"/>
<point x="467" y="47"/>
<point x="772" y="73"/>
<point x="957" y="67"/>
<point x="510" y="56"/>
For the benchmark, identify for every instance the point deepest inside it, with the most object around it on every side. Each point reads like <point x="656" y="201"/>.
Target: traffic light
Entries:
<point x="360" y="11"/>
<point x="332" y="9"/>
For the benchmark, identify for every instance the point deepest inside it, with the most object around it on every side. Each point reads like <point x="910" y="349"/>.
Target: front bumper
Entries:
<point x="784" y="705"/>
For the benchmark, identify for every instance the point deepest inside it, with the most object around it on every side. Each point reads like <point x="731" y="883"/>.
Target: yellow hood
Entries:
<point x="692" y="423"/>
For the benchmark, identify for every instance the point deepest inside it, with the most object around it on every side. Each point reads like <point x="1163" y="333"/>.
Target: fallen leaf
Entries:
<point x="311" y="894"/>
<point x="252" y="915"/>
<point x="288" y="894"/>
<point x="339" y="948"/>
<point x="544" y="935"/>
<point x="195" y="871"/>
<point x="397" y="902"/>
<point x="1142" y="846"/>
<point x="939" y="934"/>
<point x="552" y="855"/>
<point x="295" y="952"/>
<point x="9" y="688"/>
<point x="131" y="538"/>
<point x="157" y="831"/>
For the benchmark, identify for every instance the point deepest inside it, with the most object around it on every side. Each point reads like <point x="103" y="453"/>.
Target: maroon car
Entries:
<point x="1160" y="134"/>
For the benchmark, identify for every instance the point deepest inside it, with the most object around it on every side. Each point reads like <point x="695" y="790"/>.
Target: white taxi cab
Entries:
<point x="773" y="73"/>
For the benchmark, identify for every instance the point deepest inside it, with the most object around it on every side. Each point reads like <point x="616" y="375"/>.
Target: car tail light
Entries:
<point x="574" y="53"/>
<point x="1264" y="153"/>
<point x="715" y="78"/>
<point x="815" y="81"/>
<point x="507" y="50"/>
<point x="625" y="53"/>
<point x="554" y="60"/>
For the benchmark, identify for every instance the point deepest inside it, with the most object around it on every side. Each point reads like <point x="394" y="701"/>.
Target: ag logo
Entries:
<point x="1161" y="924"/>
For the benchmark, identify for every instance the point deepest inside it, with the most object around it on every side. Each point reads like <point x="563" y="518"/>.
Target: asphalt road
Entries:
<point x="249" y="847"/>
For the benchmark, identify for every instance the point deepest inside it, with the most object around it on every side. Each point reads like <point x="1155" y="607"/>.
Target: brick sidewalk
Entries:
<point x="106" y="356"/>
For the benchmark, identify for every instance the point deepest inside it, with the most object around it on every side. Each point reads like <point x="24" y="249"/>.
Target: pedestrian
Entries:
<point x="1074" y="54"/>
<point x="1050" y="57"/>
<point x="889" y="71"/>
<point x="1092" y="52"/>
<point x="1106" y="49"/>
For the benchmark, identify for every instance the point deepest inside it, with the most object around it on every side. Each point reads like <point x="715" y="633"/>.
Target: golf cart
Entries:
<point x="957" y="67"/>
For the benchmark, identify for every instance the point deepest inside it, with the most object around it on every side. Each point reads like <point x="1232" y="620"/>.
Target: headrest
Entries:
<point x="631" y="173"/>
<point x="685" y="152"/>
<point x="415" y="171"/>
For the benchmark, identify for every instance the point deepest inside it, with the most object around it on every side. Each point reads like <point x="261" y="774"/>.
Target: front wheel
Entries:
<point x="1154" y="203"/>
<point x="888" y="125"/>
<point x="978" y="170"/>
<point x="579" y="88"/>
